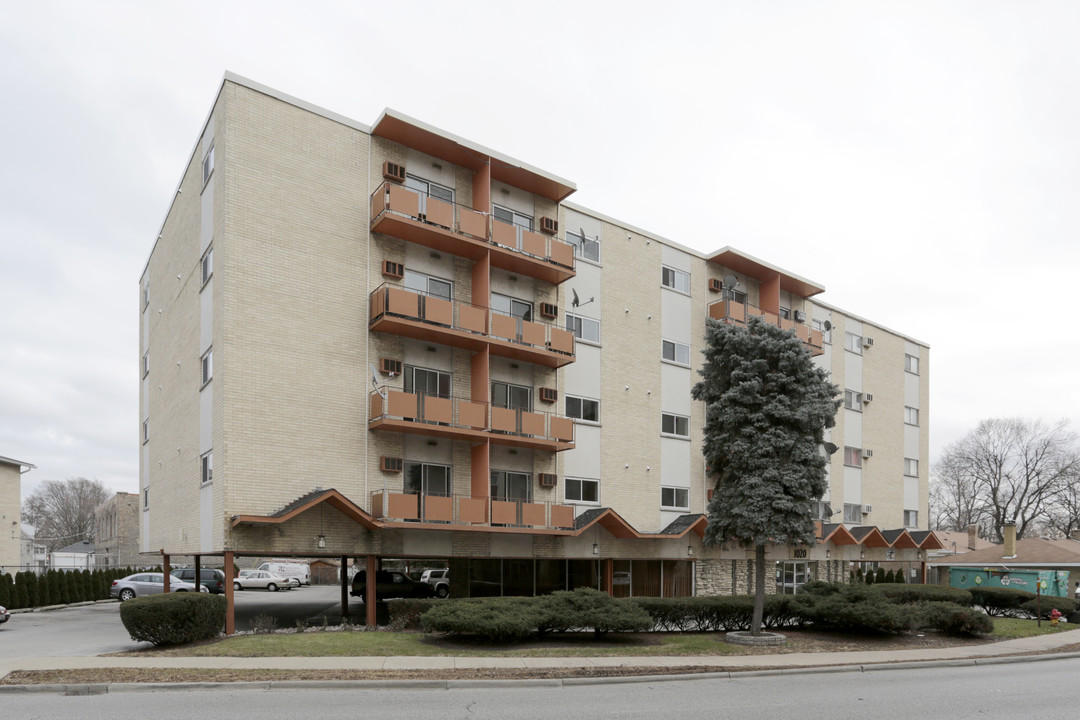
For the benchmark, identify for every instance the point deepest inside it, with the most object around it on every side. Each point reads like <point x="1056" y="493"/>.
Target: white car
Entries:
<point x="248" y="579"/>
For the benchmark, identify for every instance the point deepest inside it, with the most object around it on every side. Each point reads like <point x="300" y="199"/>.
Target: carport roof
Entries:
<point x="306" y="502"/>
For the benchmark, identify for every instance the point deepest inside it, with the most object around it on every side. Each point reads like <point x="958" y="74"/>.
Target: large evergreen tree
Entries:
<point x="767" y="409"/>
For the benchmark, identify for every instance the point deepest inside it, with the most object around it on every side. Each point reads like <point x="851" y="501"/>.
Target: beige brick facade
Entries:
<point x="287" y="411"/>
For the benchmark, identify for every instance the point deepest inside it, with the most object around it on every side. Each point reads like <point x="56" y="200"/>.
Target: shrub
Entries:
<point x="174" y="618"/>
<point x="1032" y="607"/>
<point x="405" y="613"/>
<point x="890" y="577"/>
<point x="5" y="590"/>
<point x="856" y="609"/>
<point x="899" y="577"/>
<point x="912" y="594"/>
<point x="952" y="619"/>
<point x="587" y="608"/>
<point x="670" y="614"/>
<point x="497" y="619"/>
<point x="879" y="577"/>
<point x="999" y="601"/>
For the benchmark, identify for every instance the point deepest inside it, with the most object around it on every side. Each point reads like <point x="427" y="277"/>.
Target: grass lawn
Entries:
<point x="1009" y="628"/>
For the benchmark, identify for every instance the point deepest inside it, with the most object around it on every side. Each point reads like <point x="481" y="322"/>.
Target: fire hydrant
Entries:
<point x="1054" y="615"/>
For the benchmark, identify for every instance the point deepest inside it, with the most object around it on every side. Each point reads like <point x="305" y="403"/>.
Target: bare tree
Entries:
<point x="1064" y="515"/>
<point x="62" y="513"/>
<point x="1005" y="469"/>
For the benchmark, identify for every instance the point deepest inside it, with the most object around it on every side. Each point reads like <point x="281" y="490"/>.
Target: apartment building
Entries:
<point x="389" y="342"/>
<point x="11" y="472"/>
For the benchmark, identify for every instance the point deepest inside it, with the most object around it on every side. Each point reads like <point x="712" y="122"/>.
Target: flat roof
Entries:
<point x="751" y="266"/>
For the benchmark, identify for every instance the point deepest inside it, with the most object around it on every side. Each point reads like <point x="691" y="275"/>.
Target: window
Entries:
<point x="822" y="511"/>
<point x="208" y="366"/>
<point x="507" y="485"/>
<point x="583" y="328"/>
<point x="853" y="400"/>
<point x="675" y="352"/>
<point x="581" y="490"/>
<point x="207" y="473"/>
<point x="911" y="364"/>
<point x="146" y="430"/>
<point x="582" y="409"/>
<point x="853" y="343"/>
<point x="428" y="285"/>
<point x="677" y="425"/>
<point x="853" y="457"/>
<point x="584" y="246"/>
<point x="427" y="479"/>
<point x="735" y="295"/>
<point x="427" y="382"/>
<point x="826" y="335"/>
<point x="506" y="305"/>
<point x="911" y="518"/>
<point x="146" y="363"/>
<point x="911" y="467"/>
<point x="675" y="279"/>
<point x="513" y="217"/>
<point x="505" y="395"/>
<point x="911" y="415"/>
<point x="675" y="498"/>
<point x="852" y="513"/>
<point x="785" y="313"/>
<point x="208" y="164"/>
<point x="426" y="187"/>
<point x="207" y="264"/>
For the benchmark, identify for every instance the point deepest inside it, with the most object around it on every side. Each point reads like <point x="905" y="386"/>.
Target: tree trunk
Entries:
<point x="759" y="589"/>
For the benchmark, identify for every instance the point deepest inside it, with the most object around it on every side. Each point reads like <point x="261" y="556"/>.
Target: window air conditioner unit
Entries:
<point x="868" y="342"/>
<point x="393" y="172"/>
<point x="800" y="316"/>
<point x="549" y="480"/>
<point x="715" y="285"/>
<point x="549" y="395"/>
<point x="391" y="464"/>
<point x="393" y="269"/>
<point x="867" y="397"/>
<point x="389" y="366"/>
<point x="549" y="226"/>
<point x="549" y="310"/>
<point x="867" y="453"/>
<point x="867" y="509"/>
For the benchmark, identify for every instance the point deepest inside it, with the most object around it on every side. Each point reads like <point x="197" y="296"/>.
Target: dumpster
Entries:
<point x="1056" y="581"/>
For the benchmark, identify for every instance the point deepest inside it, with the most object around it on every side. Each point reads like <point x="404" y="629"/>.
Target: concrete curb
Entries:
<point x="111" y="688"/>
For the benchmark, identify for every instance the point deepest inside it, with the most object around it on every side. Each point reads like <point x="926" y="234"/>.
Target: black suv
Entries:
<point x="390" y="584"/>
<point x="214" y="580"/>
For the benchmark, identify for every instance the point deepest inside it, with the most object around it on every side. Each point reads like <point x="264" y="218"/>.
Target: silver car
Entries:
<point x="4" y="615"/>
<point x="149" y="583"/>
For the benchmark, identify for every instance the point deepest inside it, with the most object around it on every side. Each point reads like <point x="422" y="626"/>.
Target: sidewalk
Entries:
<point x="1020" y="649"/>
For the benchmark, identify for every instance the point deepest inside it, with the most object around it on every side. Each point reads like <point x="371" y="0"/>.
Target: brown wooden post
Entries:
<point x="165" y="569"/>
<point x="230" y="608"/>
<point x="198" y="572"/>
<point x="609" y="576"/>
<point x="344" y="588"/>
<point x="369" y="605"/>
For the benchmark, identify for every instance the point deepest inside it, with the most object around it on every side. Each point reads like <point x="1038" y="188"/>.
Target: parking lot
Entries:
<point x="97" y="629"/>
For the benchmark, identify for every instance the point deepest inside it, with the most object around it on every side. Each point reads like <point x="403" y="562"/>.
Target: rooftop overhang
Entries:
<point x="415" y="134"/>
<point x="930" y="542"/>
<point x="19" y="463"/>
<point x="762" y="271"/>
<point x="331" y="497"/>
<point x="870" y="536"/>
<point x="614" y="524"/>
<point x="837" y="535"/>
<point x="900" y="539"/>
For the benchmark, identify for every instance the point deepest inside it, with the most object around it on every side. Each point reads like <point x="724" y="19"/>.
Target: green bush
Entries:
<point x="670" y="614"/>
<point x="498" y="619"/>
<point x="1032" y="607"/>
<point x="405" y="612"/>
<point x="890" y="577"/>
<point x="856" y="609"/>
<point x="587" y="608"/>
<point x="912" y="594"/>
<point x="999" y="601"/>
<point x="879" y="577"/>
<point x="952" y="619"/>
<point x="174" y="618"/>
<point x="5" y="590"/>
<point x="899" y="577"/>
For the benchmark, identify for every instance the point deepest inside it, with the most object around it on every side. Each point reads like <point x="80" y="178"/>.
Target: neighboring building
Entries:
<point x="477" y="369"/>
<point x="11" y="472"/>
<point x="76" y="556"/>
<point x="1026" y="554"/>
<point x="33" y="555"/>
<point x="116" y="536"/>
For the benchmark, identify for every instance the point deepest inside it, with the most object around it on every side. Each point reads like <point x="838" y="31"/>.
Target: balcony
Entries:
<point x="395" y="410"/>
<point x="421" y="316"/>
<point x="736" y="313"/>
<point x="442" y="510"/>
<point x="462" y="231"/>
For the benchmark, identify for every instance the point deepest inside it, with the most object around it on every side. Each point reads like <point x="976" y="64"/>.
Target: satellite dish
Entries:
<point x="730" y="282"/>
<point x="830" y="448"/>
<point x="827" y="325"/>
<point x="582" y="231"/>
<point x="575" y="300"/>
<point x="375" y="382"/>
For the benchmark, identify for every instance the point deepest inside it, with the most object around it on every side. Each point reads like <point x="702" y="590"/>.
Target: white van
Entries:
<point x="294" y="571"/>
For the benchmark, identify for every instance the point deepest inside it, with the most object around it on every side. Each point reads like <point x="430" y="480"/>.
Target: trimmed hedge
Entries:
<point x="1065" y="606"/>
<point x="952" y="619"/>
<point x="999" y="601"/>
<point x="174" y="618"/>
<point x="587" y="608"/>
<point x="914" y="594"/>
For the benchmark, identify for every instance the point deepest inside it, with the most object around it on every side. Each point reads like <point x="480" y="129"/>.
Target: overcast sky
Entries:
<point x="919" y="160"/>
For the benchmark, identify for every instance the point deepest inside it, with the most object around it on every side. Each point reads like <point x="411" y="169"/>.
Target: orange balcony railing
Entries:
<point x="394" y="410"/>
<point x="426" y="317"/>
<point x="735" y="312"/>
<point x="439" y="509"/>
<point x="459" y="230"/>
